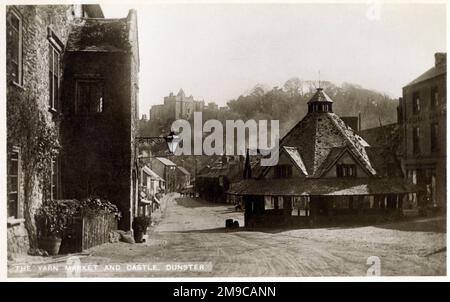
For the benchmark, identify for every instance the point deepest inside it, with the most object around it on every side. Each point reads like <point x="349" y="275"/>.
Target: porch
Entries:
<point x="309" y="202"/>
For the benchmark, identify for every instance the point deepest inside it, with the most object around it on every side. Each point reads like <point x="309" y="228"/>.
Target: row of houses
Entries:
<point x="159" y="176"/>
<point x="72" y="87"/>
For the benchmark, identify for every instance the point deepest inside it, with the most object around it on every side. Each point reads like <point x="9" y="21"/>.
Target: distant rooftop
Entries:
<point x="183" y="170"/>
<point x="166" y="161"/>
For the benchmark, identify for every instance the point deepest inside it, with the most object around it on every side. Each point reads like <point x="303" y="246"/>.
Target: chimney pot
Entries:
<point x="440" y="58"/>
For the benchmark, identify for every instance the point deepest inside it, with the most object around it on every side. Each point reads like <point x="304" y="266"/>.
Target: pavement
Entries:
<point x="189" y="239"/>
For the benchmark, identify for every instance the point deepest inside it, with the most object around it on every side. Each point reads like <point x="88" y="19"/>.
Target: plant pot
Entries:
<point x="50" y="244"/>
<point x="138" y="236"/>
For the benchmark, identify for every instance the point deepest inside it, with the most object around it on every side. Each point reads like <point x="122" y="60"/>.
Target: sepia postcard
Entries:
<point x="171" y="139"/>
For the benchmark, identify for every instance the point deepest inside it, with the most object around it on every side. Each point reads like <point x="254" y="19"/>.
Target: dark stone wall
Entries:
<point x="426" y="160"/>
<point x="97" y="148"/>
<point x="36" y="20"/>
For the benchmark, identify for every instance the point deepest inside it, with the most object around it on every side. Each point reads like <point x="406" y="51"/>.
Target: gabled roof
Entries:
<point x="166" y="161"/>
<point x="429" y="74"/>
<point x="151" y="173"/>
<point x="180" y="92"/>
<point x="183" y="170"/>
<point x="316" y="138"/>
<point x="99" y="35"/>
<point x="333" y="156"/>
<point x="295" y="156"/>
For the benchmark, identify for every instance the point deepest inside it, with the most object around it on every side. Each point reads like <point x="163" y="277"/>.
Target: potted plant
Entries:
<point x="140" y="225"/>
<point x="51" y="220"/>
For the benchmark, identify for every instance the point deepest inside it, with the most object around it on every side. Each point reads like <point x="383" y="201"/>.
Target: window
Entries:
<point x="283" y="171"/>
<point x="344" y="170"/>
<point x="434" y="137"/>
<point x="89" y="97"/>
<point x="54" y="179"/>
<point x="412" y="176"/>
<point x="341" y="202"/>
<point x="273" y="202"/>
<point x="279" y="203"/>
<point x="269" y="203"/>
<point x="54" y="69"/>
<point x="416" y="102"/>
<point x="13" y="184"/>
<point x="434" y="98"/>
<point x="14" y="29"/>
<point x="368" y="202"/>
<point x="300" y="206"/>
<point x="416" y="146"/>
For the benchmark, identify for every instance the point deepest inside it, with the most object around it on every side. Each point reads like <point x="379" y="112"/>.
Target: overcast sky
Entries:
<point x="218" y="51"/>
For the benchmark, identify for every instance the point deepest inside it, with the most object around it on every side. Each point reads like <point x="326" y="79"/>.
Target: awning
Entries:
<point x="322" y="186"/>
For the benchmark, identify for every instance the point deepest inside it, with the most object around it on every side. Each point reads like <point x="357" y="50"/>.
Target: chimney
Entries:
<point x="440" y="59"/>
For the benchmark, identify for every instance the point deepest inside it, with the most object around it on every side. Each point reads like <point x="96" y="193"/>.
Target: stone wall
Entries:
<point x="97" y="154"/>
<point x="17" y="239"/>
<point x="36" y="22"/>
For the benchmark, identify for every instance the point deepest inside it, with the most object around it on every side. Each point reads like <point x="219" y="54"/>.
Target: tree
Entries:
<point x="294" y="86"/>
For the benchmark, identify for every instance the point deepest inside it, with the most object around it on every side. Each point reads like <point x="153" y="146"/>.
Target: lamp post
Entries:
<point x="172" y="140"/>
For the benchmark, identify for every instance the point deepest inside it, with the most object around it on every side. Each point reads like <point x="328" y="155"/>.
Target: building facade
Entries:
<point x="422" y="117"/>
<point x="100" y="97"/>
<point x="326" y="173"/>
<point x="166" y="169"/>
<point x="175" y="107"/>
<point x="41" y="98"/>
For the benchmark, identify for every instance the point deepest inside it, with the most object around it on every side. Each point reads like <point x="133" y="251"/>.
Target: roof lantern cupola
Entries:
<point x="320" y="102"/>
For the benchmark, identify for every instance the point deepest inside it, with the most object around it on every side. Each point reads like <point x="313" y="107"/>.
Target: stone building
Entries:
<point x="100" y="111"/>
<point x="54" y="71"/>
<point x="422" y="117"/>
<point x="166" y="169"/>
<point x="176" y="107"/>
<point x="326" y="173"/>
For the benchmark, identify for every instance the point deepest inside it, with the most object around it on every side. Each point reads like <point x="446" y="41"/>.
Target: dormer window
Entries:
<point x="344" y="170"/>
<point x="283" y="171"/>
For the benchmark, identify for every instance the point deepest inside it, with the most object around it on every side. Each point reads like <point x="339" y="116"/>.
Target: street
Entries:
<point x="192" y="231"/>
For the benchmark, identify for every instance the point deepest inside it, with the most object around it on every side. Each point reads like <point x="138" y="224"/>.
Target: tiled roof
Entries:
<point x="183" y="170"/>
<point x="101" y="35"/>
<point x="166" y="161"/>
<point x="389" y="136"/>
<point x="321" y="97"/>
<point x="319" y="134"/>
<point x="296" y="158"/>
<point x="151" y="173"/>
<point x="231" y="169"/>
<point x="322" y="186"/>
<point x="387" y="145"/>
<point x="333" y="155"/>
<point x="214" y="173"/>
<point x="385" y="162"/>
